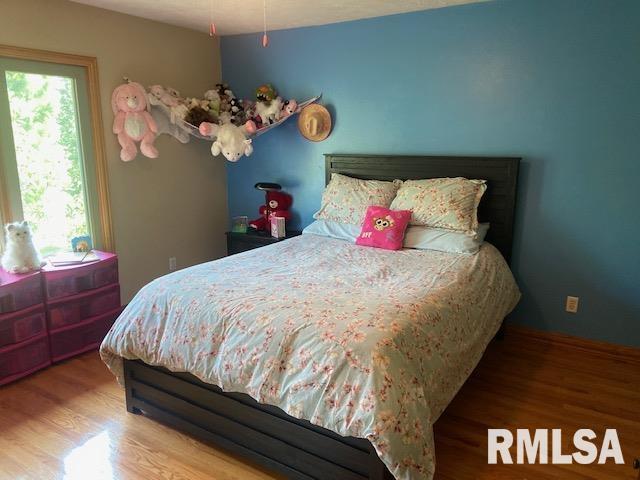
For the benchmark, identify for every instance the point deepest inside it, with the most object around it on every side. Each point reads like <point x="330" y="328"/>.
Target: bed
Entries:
<point x="318" y="358"/>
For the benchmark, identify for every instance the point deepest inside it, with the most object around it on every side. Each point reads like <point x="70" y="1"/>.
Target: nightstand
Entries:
<point x="241" y="242"/>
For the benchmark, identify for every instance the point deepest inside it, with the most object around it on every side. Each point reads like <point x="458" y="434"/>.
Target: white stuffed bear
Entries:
<point x="197" y="102"/>
<point x="159" y="94"/>
<point x="161" y="99"/>
<point x="231" y="140"/>
<point x="20" y="255"/>
<point x="269" y="112"/>
<point x="204" y="104"/>
<point x="179" y="112"/>
<point x="192" y="102"/>
<point x="174" y="93"/>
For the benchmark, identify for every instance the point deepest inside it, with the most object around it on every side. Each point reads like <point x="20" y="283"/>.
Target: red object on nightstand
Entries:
<point x="54" y="314"/>
<point x="82" y="302"/>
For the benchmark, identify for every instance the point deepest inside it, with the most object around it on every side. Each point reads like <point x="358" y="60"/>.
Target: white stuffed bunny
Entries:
<point x="20" y="255"/>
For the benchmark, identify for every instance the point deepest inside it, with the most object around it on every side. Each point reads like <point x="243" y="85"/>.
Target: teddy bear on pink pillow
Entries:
<point x="384" y="228"/>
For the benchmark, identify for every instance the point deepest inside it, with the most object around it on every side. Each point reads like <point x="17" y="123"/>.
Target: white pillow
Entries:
<point x="417" y="237"/>
<point x="429" y="238"/>
<point x="327" y="228"/>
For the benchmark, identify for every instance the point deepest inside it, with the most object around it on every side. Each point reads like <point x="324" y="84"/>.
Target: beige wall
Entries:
<point x="175" y="205"/>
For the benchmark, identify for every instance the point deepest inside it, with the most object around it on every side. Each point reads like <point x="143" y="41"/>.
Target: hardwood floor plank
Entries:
<point x="69" y="421"/>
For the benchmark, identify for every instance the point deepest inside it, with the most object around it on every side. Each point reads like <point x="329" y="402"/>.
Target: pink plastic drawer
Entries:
<point x="66" y="281"/>
<point x="18" y="326"/>
<point x="81" y="338"/>
<point x="19" y="291"/>
<point x="21" y="359"/>
<point x="78" y="308"/>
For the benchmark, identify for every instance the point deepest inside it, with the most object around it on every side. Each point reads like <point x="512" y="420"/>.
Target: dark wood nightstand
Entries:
<point x="241" y="242"/>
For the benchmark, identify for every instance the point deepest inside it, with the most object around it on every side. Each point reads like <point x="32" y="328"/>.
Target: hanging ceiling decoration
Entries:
<point x="212" y="25"/>
<point x="265" y="37"/>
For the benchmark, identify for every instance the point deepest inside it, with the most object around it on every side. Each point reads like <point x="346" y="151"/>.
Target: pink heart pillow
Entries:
<point x="384" y="228"/>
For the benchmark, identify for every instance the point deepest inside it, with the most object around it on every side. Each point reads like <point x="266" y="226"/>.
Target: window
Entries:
<point x="51" y="172"/>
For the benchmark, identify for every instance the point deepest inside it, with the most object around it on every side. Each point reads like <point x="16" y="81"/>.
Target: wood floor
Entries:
<point x="69" y="421"/>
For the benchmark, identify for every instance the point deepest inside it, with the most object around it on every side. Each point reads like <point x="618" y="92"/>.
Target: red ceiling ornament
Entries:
<point x="265" y="37"/>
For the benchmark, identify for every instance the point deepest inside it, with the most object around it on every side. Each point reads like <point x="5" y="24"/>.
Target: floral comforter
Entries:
<point x="365" y="342"/>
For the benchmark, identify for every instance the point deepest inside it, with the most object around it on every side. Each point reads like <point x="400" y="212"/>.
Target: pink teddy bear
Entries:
<point x="133" y="122"/>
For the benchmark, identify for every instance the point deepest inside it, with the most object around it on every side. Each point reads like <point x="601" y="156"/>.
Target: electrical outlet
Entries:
<point x="571" y="305"/>
<point x="172" y="264"/>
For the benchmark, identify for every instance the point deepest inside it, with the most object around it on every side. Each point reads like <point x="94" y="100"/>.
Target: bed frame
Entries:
<point x="265" y="434"/>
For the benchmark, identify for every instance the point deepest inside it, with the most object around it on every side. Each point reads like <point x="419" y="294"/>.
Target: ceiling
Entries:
<point x="245" y="16"/>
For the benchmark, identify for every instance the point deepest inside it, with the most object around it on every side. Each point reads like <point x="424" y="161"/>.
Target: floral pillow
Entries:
<point x="450" y="203"/>
<point x="346" y="199"/>
<point x="384" y="228"/>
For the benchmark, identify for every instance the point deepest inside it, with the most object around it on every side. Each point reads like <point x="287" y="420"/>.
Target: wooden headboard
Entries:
<point x="501" y="173"/>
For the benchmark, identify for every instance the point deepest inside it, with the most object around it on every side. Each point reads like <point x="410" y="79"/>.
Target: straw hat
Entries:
<point x="314" y="122"/>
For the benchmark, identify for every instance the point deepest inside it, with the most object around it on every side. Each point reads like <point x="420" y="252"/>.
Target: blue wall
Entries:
<point x="554" y="81"/>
